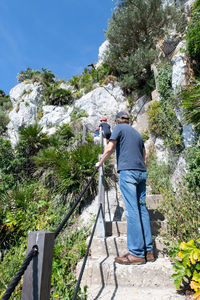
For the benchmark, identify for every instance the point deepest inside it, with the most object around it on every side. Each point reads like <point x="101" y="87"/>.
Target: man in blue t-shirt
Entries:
<point x="131" y="164"/>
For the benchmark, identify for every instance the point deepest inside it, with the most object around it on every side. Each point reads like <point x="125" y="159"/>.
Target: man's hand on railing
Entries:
<point x="98" y="164"/>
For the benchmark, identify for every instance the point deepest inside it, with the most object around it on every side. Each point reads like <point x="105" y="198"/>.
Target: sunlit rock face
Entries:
<point x="185" y="3"/>
<point x="29" y="107"/>
<point x="26" y="98"/>
<point x="104" y="101"/>
<point x="179" y="172"/>
<point x="53" y="116"/>
<point x="179" y="67"/>
<point x="102" y="51"/>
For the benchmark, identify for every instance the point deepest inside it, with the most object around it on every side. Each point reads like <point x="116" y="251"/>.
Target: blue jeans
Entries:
<point x="133" y="188"/>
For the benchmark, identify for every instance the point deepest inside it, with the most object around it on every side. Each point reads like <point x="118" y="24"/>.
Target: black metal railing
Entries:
<point x="86" y="255"/>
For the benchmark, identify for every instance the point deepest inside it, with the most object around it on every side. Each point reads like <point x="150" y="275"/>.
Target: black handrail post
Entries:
<point x="37" y="277"/>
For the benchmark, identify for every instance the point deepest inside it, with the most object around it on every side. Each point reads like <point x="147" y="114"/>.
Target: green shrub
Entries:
<point x="84" y="83"/>
<point x="5" y="102"/>
<point x="4" y="120"/>
<point x="192" y="34"/>
<point x="156" y="118"/>
<point x="38" y="213"/>
<point x="162" y="117"/>
<point x="5" y="107"/>
<point x="190" y="97"/>
<point x="145" y="135"/>
<point x="164" y="79"/>
<point x="132" y="33"/>
<point x="181" y="207"/>
<point x="66" y="255"/>
<point x="77" y="113"/>
<point x="57" y="96"/>
<point x="45" y="77"/>
<point x="6" y="154"/>
<point x="158" y="174"/>
<point x="187" y="267"/>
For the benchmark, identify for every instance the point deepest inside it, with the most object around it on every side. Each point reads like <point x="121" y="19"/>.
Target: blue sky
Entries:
<point x="63" y="36"/>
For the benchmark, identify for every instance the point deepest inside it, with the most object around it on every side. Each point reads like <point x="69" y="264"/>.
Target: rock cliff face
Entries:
<point x="29" y="105"/>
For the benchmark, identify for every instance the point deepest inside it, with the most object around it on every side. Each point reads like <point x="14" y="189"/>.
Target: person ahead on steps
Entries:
<point x="131" y="165"/>
<point x="105" y="128"/>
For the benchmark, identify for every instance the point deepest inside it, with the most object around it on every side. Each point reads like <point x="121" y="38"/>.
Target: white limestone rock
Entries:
<point x="188" y="132"/>
<point x="139" y="114"/>
<point x="26" y="98"/>
<point x="179" y="68"/>
<point x="180" y="170"/>
<point x="102" y="50"/>
<point x="54" y="116"/>
<point x="161" y="152"/>
<point x="27" y="92"/>
<point x="67" y="86"/>
<point x="104" y="101"/>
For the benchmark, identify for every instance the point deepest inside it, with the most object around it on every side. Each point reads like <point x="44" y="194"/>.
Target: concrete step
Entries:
<point x="117" y="246"/>
<point x="114" y="204"/>
<point x="118" y="228"/>
<point x="104" y="271"/>
<point x="130" y="293"/>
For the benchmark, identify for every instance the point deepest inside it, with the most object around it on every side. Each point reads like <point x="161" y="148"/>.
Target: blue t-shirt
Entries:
<point x="129" y="148"/>
<point x="106" y="129"/>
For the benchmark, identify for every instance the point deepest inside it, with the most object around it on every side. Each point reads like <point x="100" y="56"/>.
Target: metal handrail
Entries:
<point x="86" y="255"/>
<point x="60" y="227"/>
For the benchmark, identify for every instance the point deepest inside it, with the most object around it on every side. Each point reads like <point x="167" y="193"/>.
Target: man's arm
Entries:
<point x="107" y="152"/>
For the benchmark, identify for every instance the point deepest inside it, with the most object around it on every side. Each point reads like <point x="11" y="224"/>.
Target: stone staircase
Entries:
<point x="108" y="280"/>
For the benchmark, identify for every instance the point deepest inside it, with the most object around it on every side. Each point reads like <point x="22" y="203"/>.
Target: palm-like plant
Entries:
<point x="191" y="104"/>
<point x="34" y="139"/>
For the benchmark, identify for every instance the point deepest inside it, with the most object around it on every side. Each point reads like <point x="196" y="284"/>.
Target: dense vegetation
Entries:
<point x="39" y="182"/>
<point x="5" y="107"/>
<point x="132" y="34"/>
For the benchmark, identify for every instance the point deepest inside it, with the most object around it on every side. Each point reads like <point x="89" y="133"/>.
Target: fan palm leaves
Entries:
<point x="191" y="104"/>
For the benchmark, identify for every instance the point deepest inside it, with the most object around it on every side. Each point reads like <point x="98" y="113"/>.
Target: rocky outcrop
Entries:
<point x="29" y="107"/>
<point x="103" y="101"/>
<point x="26" y="98"/>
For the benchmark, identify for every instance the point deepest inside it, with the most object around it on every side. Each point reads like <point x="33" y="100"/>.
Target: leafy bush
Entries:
<point x="187" y="267"/>
<point x="132" y="35"/>
<point x="162" y="117"/>
<point x="5" y="106"/>
<point x="180" y="208"/>
<point x="67" y="253"/>
<point x="46" y="77"/>
<point x="190" y="97"/>
<point x="192" y="34"/>
<point x="70" y="170"/>
<point x="4" y="120"/>
<point x="34" y="140"/>
<point x="85" y="82"/>
<point x="57" y="96"/>
<point x="158" y="174"/>
<point x="77" y="113"/>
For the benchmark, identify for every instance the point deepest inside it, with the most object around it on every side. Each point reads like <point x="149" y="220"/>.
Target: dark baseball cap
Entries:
<point x="122" y="115"/>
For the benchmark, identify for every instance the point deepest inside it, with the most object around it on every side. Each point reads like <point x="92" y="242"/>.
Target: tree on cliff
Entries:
<point x="132" y="33"/>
